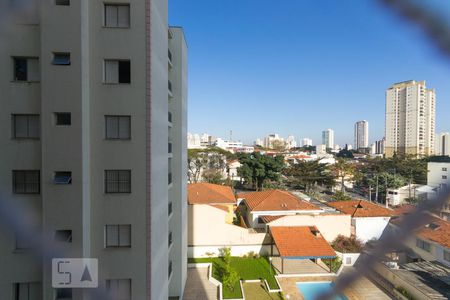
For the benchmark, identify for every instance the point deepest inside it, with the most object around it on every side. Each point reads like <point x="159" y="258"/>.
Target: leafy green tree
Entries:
<point x="257" y="169"/>
<point x="343" y="170"/>
<point x="341" y="196"/>
<point x="306" y="174"/>
<point x="207" y="164"/>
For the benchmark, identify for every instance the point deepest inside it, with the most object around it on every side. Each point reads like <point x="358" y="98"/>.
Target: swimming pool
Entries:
<point x="311" y="290"/>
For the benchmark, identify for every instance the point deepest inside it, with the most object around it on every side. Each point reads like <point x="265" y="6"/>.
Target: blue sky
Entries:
<point x="300" y="66"/>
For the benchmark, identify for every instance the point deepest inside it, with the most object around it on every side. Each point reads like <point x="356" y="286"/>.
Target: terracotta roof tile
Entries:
<point x="301" y="242"/>
<point x="435" y="230"/>
<point x="207" y="193"/>
<point x="275" y="200"/>
<point x="361" y="208"/>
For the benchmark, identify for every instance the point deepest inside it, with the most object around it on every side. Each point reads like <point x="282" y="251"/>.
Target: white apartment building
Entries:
<point x="328" y="138"/>
<point x="271" y="139"/>
<point x="307" y="142"/>
<point x="193" y="141"/>
<point x="362" y="134"/>
<point x="93" y="145"/>
<point x="443" y="144"/>
<point x="291" y="142"/>
<point x="410" y="119"/>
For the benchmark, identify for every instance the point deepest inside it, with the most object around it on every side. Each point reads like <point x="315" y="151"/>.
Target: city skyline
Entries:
<point x="334" y="91"/>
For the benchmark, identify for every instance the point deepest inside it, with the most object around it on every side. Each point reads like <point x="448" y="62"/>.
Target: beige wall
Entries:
<point x="208" y="227"/>
<point x="329" y="225"/>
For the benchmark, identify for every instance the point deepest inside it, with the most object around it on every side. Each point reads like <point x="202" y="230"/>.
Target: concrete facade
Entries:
<point x="410" y="119"/>
<point x="75" y="46"/>
<point x="361" y="134"/>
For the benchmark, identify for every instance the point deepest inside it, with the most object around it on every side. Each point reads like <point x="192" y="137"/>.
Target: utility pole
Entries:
<point x="376" y="190"/>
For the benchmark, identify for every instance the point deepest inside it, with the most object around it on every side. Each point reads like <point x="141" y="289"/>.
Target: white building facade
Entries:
<point x="93" y="144"/>
<point x="362" y="134"/>
<point x="306" y="142"/>
<point x="328" y="138"/>
<point x="443" y="144"/>
<point x="410" y="119"/>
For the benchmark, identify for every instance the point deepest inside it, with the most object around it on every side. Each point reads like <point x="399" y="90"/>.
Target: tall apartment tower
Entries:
<point x="410" y="119"/>
<point x="443" y="144"/>
<point x="306" y="142"/>
<point x="93" y="145"/>
<point x="361" y="134"/>
<point x="328" y="138"/>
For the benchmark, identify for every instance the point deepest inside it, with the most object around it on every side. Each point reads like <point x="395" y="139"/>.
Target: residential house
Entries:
<point x="368" y="219"/>
<point x="258" y="207"/>
<point x="211" y="228"/>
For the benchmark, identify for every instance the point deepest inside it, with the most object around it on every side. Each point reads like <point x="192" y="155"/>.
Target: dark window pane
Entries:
<point x="124" y="72"/>
<point x="20" y="69"/>
<point x="63" y="118"/>
<point x="62" y="59"/>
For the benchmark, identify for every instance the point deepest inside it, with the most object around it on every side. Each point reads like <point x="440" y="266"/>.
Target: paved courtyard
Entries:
<point x="298" y="266"/>
<point x="198" y="287"/>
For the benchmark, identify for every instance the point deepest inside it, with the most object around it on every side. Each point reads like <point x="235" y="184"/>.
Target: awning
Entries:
<point x="301" y="242"/>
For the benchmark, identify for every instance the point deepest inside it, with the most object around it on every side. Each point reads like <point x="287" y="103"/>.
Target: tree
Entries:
<point x="278" y="145"/>
<point x="341" y="196"/>
<point x="208" y="164"/>
<point x="257" y="169"/>
<point x="306" y="174"/>
<point x="345" y="244"/>
<point x="345" y="153"/>
<point x="343" y="170"/>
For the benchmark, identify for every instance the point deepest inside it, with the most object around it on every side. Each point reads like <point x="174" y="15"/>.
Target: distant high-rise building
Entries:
<point x="443" y="144"/>
<point x="410" y="119"/>
<point x="362" y="134"/>
<point x="291" y="142"/>
<point x="328" y="138"/>
<point x="259" y="142"/>
<point x="273" y="139"/>
<point x="378" y="147"/>
<point x="193" y="141"/>
<point x="307" y="142"/>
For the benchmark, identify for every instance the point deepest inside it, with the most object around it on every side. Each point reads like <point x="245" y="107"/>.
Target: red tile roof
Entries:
<point x="435" y="230"/>
<point x="361" y="208"/>
<point x="275" y="200"/>
<point x="301" y="242"/>
<point x="207" y="193"/>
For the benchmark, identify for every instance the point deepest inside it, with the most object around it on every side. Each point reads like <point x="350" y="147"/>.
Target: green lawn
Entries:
<point x="247" y="268"/>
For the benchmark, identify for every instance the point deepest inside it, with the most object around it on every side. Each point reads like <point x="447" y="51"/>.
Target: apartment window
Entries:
<point x="26" y="182"/>
<point x="63" y="294"/>
<point x="444" y="176"/>
<point x="62" y="177"/>
<point x="423" y="245"/>
<point x="118" y="236"/>
<point x="170" y="238"/>
<point x="26" y="69"/>
<point x="118" y="181"/>
<point x="170" y="268"/>
<point x="447" y="255"/>
<point x="117" y="15"/>
<point x="63" y="236"/>
<point x="62" y="2"/>
<point x="61" y="58"/>
<point x="25" y="126"/>
<point x="27" y="291"/>
<point x="117" y="71"/>
<point x="118" y="127"/>
<point x="63" y="119"/>
<point x="119" y="289"/>
<point x="444" y="169"/>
